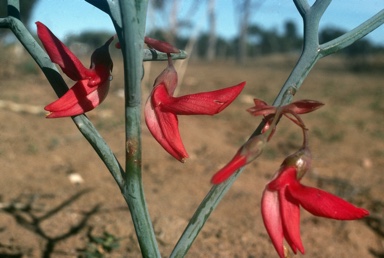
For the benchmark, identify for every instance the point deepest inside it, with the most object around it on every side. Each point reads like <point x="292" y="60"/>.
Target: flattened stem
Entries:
<point x="131" y="35"/>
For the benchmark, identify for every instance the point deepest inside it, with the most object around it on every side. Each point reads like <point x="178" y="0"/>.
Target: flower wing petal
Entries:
<point x="152" y="120"/>
<point x="272" y="219"/>
<point x="61" y="55"/>
<point x="290" y="215"/>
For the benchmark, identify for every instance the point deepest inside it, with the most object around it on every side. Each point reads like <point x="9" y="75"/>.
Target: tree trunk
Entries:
<point x="211" y="48"/>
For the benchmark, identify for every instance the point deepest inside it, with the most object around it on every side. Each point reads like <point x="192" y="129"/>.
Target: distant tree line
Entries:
<point x="259" y="42"/>
<point x="269" y="41"/>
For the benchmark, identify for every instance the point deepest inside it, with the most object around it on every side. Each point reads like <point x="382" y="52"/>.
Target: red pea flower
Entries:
<point x="92" y="83"/>
<point x="159" y="45"/>
<point x="283" y="196"/>
<point x="247" y="153"/>
<point x="254" y="146"/>
<point x="295" y="108"/>
<point x="162" y="108"/>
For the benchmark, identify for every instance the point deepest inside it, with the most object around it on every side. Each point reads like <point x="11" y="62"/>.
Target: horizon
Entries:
<point x="271" y="15"/>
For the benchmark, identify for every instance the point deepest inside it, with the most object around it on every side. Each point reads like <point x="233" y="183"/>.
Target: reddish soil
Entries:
<point x="43" y="212"/>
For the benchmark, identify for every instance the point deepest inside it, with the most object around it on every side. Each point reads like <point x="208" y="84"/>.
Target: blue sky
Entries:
<point x="66" y="17"/>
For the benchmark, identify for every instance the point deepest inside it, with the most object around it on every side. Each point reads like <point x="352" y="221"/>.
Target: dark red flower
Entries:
<point x="158" y="45"/>
<point x="297" y="107"/>
<point x="247" y="153"/>
<point x="162" y="108"/>
<point x="283" y="196"/>
<point x="92" y="83"/>
<point x="254" y="146"/>
<point x="161" y="46"/>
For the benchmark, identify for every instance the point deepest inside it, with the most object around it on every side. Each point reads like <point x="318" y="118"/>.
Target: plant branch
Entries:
<point x="302" y="6"/>
<point x="131" y="36"/>
<point x="350" y="37"/>
<point x="201" y="215"/>
<point x="153" y="55"/>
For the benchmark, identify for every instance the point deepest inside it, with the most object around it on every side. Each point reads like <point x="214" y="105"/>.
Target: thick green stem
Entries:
<point x="131" y="36"/>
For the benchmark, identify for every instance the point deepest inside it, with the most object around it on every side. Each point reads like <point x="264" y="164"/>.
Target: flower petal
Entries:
<point x="290" y="215"/>
<point x="101" y="64"/>
<point x="165" y="138"/>
<point x="261" y="108"/>
<point x="270" y="212"/>
<point x="223" y="174"/>
<point x="324" y="204"/>
<point x="161" y="46"/>
<point x="77" y="92"/>
<point x="78" y="100"/>
<point x="247" y="153"/>
<point x="304" y="106"/>
<point x="285" y="176"/>
<point x="205" y="103"/>
<point x="61" y="55"/>
<point x="168" y="77"/>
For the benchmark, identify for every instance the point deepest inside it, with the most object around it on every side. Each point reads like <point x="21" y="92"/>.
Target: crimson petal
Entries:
<point x="324" y="204"/>
<point x="261" y="108"/>
<point x="78" y="100"/>
<point x="290" y="215"/>
<point x="272" y="220"/>
<point x="205" y="103"/>
<point x="61" y="55"/>
<point x="223" y="174"/>
<point x="161" y="46"/>
<point x="304" y="106"/>
<point x="164" y="138"/>
<point x="168" y="77"/>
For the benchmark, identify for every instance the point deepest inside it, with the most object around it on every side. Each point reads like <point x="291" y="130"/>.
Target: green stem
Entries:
<point x="311" y="54"/>
<point x="54" y="78"/>
<point x="131" y="36"/>
<point x="196" y="223"/>
<point x="153" y="55"/>
<point x="351" y="36"/>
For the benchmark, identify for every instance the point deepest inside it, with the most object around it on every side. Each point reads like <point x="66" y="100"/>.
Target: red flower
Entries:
<point x="247" y="153"/>
<point x="161" y="46"/>
<point x="297" y="107"/>
<point x="254" y="146"/>
<point x="158" y="45"/>
<point x="161" y="109"/>
<point x="283" y="196"/>
<point x="92" y="84"/>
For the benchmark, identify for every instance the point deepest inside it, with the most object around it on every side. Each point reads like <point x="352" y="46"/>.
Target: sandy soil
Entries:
<point x="43" y="213"/>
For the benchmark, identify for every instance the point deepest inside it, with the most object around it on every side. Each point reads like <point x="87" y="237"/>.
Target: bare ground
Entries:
<point x="44" y="214"/>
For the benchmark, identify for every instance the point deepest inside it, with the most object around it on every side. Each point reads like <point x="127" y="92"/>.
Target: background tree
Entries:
<point x="243" y="10"/>
<point x="212" y="38"/>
